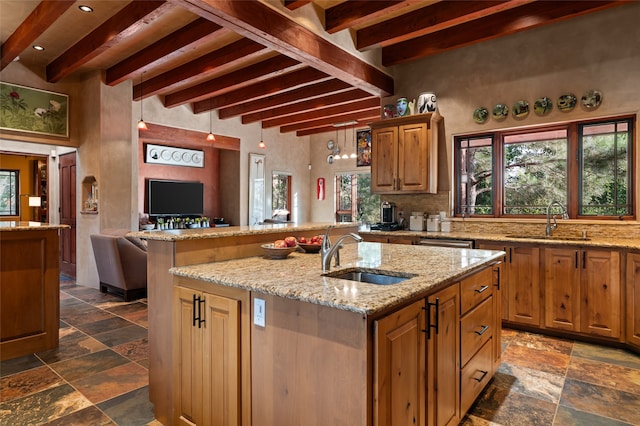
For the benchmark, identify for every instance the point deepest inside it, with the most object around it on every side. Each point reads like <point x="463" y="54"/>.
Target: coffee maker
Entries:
<point x="387" y="212"/>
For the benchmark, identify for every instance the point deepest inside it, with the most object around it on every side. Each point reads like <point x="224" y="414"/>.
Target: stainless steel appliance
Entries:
<point x="388" y="212"/>
<point x="440" y="242"/>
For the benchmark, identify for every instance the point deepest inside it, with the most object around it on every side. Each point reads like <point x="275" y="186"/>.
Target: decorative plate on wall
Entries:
<point x="500" y="112"/>
<point x="520" y="109"/>
<point x="567" y="102"/>
<point x="542" y="106"/>
<point x="480" y="115"/>
<point x="591" y="100"/>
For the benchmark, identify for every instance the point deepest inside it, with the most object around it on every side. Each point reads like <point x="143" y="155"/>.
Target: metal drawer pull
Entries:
<point x="482" y="289"/>
<point x="482" y="330"/>
<point x="484" y="374"/>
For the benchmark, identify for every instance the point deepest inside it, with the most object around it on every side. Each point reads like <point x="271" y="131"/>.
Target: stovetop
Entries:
<point x="385" y="227"/>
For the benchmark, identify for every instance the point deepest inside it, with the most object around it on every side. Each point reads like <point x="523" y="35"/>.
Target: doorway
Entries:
<point x="67" y="168"/>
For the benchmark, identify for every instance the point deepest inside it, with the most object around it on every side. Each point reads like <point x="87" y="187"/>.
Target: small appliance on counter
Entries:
<point x="417" y="221"/>
<point x="388" y="212"/>
<point x="385" y="226"/>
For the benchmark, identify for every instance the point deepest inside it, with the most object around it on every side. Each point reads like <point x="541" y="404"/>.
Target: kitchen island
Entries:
<point x="29" y="287"/>
<point x="269" y="342"/>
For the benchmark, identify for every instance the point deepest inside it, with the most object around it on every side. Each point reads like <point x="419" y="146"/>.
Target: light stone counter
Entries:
<point x="300" y="277"/>
<point x="28" y="226"/>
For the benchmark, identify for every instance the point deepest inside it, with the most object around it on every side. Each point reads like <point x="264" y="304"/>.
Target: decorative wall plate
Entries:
<point x="567" y="102"/>
<point x="542" y="106"/>
<point x="173" y="156"/>
<point x="591" y="100"/>
<point x="331" y="144"/>
<point x="500" y="112"/>
<point x="480" y="115"/>
<point x="521" y="109"/>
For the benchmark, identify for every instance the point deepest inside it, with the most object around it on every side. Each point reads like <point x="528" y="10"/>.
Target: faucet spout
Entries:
<point x="550" y="227"/>
<point x="330" y="251"/>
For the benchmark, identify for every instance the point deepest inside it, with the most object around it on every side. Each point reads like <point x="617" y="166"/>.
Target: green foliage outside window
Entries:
<point x="9" y="204"/>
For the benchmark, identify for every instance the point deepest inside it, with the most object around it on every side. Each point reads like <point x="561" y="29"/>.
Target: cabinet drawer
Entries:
<point x="475" y="376"/>
<point x="475" y="289"/>
<point x="475" y="329"/>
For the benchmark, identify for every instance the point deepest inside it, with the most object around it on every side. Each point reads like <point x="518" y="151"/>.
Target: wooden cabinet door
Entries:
<point x="502" y="278"/>
<point x="384" y="169"/>
<point x="399" y="382"/>
<point x="413" y="158"/>
<point x="600" y="293"/>
<point x="443" y="380"/>
<point x="562" y="289"/>
<point x="208" y="359"/>
<point x="524" y="285"/>
<point x="633" y="299"/>
<point x="497" y="272"/>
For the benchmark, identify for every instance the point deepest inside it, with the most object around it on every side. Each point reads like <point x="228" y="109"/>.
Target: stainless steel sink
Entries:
<point x="368" y="277"/>
<point x="548" y="237"/>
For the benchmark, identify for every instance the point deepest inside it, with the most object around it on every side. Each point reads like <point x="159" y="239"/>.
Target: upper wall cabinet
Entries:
<point x="405" y="154"/>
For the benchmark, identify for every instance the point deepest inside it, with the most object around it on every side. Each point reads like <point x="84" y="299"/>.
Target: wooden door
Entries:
<point x="443" y="382"/>
<point x="67" y="168"/>
<point x="413" y="158"/>
<point x="600" y="293"/>
<point x="399" y="382"/>
<point x="633" y="299"/>
<point x="384" y="151"/>
<point x="502" y="278"/>
<point x="562" y="289"/>
<point x="524" y="285"/>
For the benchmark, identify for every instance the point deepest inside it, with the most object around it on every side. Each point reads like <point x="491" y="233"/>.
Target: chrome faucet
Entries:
<point x="333" y="251"/>
<point x="551" y="227"/>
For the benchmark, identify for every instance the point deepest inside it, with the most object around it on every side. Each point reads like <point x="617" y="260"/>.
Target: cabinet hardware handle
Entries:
<point x="510" y="257"/>
<point x="437" y="324"/>
<point x="197" y="311"/>
<point x="496" y="283"/>
<point x="482" y="330"/>
<point x="194" y="310"/>
<point x="584" y="260"/>
<point x="576" y="259"/>
<point x="484" y="374"/>
<point x="481" y="289"/>
<point x="200" y="320"/>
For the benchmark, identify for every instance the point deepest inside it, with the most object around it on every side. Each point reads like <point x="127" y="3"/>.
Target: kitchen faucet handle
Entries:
<point x="326" y="241"/>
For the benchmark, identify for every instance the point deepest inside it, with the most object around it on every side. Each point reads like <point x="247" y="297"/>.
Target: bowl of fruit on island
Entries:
<point x="310" y="245"/>
<point x="280" y="249"/>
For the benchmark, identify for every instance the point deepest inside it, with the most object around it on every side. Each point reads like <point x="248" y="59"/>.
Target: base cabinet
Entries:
<point x="633" y="300"/>
<point x="207" y="359"/>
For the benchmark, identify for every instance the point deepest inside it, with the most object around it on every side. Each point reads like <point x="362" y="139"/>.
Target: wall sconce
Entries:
<point x="141" y="124"/>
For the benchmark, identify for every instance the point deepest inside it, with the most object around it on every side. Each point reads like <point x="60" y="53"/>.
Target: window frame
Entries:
<point x="287" y="197"/>
<point x="354" y="194"/>
<point x="16" y="193"/>
<point x="574" y="167"/>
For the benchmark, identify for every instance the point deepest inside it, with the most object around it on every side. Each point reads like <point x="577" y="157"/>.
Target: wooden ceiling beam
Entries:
<point x="38" y="21"/>
<point x="258" y="72"/>
<point x="127" y="21"/>
<point x="427" y="20"/>
<point x="257" y="21"/>
<point x="325" y="121"/>
<point x="354" y="12"/>
<point x="526" y="17"/>
<point x="306" y="105"/>
<point x="294" y="4"/>
<point x="326" y="112"/>
<point x="190" y="36"/>
<point x="274" y="85"/>
<point x="215" y="62"/>
<point x="285" y="98"/>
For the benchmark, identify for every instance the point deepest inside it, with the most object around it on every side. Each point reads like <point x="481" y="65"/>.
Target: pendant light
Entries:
<point x="210" y="136"/>
<point x="355" y="145"/>
<point x="336" y="151"/>
<point x="141" y="124"/>
<point x="261" y="144"/>
<point x="344" y="145"/>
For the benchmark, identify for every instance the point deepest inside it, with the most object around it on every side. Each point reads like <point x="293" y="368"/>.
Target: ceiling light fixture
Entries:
<point x="85" y="8"/>
<point x="353" y="154"/>
<point x="38" y="47"/>
<point x="261" y="144"/>
<point x="336" y="150"/>
<point x="344" y="145"/>
<point x="210" y="136"/>
<point x="141" y="124"/>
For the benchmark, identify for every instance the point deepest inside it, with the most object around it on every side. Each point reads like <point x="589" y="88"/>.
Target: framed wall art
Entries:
<point x="363" y="139"/>
<point x="25" y="109"/>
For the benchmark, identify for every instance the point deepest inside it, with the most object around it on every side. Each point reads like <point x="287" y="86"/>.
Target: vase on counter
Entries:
<point x="388" y="111"/>
<point x="402" y="107"/>
<point x="427" y="102"/>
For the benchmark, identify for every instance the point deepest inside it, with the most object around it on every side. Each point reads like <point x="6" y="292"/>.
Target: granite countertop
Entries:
<point x="299" y="276"/>
<point x="28" y="226"/>
<point x="558" y="239"/>
<point x="234" y="231"/>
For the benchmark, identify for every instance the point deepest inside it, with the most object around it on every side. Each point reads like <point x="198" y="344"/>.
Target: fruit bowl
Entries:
<point x="272" y="252"/>
<point x="148" y="226"/>
<point x="310" y="248"/>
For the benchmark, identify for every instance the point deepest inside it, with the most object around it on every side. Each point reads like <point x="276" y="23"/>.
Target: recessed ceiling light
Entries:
<point x="85" y="8"/>
<point x="38" y="47"/>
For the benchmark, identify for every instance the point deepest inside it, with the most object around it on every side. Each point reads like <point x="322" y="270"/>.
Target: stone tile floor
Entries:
<point x="99" y="376"/>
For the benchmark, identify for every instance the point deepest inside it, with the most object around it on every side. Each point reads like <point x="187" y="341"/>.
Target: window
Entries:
<point x="9" y="205"/>
<point x="354" y="200"/>
<point x="586" y="166"/>
<point x="281" y="196"/>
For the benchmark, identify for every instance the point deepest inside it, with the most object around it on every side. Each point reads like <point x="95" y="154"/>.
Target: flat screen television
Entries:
<point x="175" y="198"/>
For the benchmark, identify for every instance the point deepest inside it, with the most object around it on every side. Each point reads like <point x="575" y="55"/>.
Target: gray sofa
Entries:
<point x="122" y="263"/>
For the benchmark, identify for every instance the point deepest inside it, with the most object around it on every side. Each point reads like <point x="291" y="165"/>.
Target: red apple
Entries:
<point x="291" y="241"/>
<point x="302" y="240"/>
<point x="280" y="244"/>
<point x="314" y="239"/>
